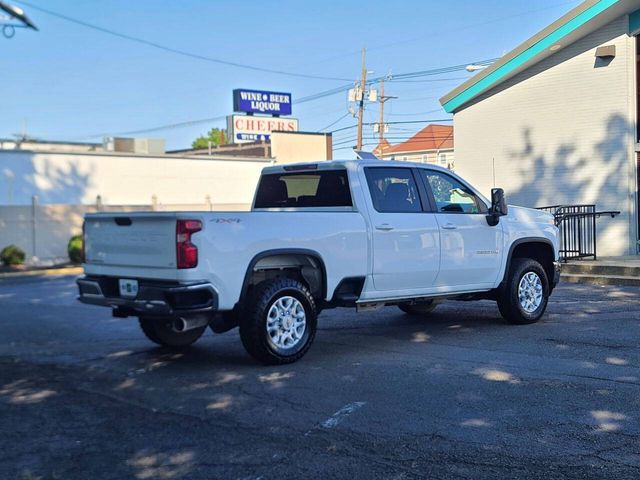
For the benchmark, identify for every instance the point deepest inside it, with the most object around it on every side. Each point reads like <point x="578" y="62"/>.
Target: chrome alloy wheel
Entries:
<point x="286" y="322"/>
<point x="530" y="292"/>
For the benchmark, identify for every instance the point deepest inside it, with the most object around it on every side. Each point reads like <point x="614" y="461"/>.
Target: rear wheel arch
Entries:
<point x="302" y="264"/>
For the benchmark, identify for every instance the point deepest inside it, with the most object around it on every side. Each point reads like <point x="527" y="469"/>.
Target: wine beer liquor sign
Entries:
<point x="249" y="128"/>
<point x="257" y="101"/>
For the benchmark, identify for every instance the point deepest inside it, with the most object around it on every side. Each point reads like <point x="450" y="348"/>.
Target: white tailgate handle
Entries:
<point x="385" y="227"/>
<point x="449" y="226"/>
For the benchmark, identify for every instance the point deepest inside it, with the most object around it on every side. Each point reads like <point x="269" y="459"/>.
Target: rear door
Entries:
<point x="471" y="249"/>
<point x="406" y="250"/>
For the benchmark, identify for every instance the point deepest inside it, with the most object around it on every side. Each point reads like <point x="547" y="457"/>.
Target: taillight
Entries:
<point x="186" y="252"/>
<point x="83" y="257"/>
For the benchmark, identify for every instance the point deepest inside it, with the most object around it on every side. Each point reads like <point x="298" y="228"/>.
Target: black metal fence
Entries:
<point x="577" y="224"/>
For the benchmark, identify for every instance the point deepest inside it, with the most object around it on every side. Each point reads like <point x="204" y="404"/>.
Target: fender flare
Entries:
<point x="284" y="251"/>
<point x="518" y="242"/>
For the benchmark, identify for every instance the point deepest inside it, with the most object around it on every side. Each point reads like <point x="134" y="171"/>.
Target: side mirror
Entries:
<point x="498" y="207"/>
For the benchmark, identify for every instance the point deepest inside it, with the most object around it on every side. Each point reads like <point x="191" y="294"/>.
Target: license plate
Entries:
<point x="128" y="287"/>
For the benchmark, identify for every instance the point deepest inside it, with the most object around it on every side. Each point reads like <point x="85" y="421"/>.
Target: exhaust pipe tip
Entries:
<point x="182" y="324"/>
<point x="179" y="325"/>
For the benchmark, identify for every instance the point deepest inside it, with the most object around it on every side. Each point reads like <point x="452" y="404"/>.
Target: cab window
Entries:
<point x="328" y="188"/>
<point x="451" y="195"/>
<point x="393" y="190"/>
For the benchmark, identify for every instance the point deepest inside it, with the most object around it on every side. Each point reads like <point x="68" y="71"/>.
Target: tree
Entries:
<point x="217" y="136"/>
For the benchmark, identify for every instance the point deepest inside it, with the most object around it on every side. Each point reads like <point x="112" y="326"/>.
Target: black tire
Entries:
<point x="253" y="324"/>
<point x="422" y="308"/>
<point x="161" y="331"/>
<point x="509" y="303"/>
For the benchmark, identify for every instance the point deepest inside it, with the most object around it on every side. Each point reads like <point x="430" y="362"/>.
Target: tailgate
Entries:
<point x="131" y="240"/>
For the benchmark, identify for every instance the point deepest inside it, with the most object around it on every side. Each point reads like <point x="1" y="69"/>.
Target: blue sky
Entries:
<point x="74" y="83"/>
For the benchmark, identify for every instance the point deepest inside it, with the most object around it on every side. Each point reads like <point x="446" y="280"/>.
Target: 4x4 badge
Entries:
<point x="226" y="220"/>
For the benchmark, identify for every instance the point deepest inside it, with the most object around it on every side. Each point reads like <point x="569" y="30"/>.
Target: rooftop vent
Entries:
<point x="140" y="146"/>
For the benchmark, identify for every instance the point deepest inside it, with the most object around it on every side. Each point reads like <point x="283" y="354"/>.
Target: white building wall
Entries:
<point x="77" y="179"/>
<point x="561" y="132"/>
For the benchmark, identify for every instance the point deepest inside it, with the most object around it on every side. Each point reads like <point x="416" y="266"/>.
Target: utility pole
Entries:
<point x="363" y="84"/>
<point x="382" y="99"/>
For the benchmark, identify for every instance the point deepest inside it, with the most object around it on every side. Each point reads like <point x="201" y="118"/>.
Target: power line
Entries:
<point x="176" y="51"/>
<point x="471" y="25"/>
<point x="326" y="93"/>
<point x="320" y="95"/>
<point x="432" y="80"/>
<point x="414" y="114"/>
<point x="397" y="123"/>
<point x="432" y="33"/>
<point x="398" y="137"/>
<point x="394" y="78"/>
<point x="188" y="123"/>
<point x="337" y="121"/>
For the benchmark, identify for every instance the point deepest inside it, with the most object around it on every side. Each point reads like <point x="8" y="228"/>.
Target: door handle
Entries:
<point x="449" y="226"/>
<point x="385" y="227"/>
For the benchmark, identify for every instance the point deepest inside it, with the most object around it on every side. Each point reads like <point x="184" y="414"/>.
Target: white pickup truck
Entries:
<point x="361" y="234"/>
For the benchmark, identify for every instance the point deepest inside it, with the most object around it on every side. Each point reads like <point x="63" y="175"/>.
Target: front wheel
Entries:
<point x="279" y="323"/>
<point x="163" y="332"/>
<point x="526" y="292"/>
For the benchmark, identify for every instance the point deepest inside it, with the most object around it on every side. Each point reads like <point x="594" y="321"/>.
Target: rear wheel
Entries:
<point x="526" y="292"/>
<point x="163" y="332"/>
<point x="422" y="308"/>
<point x="279" y="322"/>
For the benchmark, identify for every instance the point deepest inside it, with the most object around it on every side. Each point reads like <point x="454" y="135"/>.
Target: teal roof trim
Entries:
<point x="546" y="42"/>
<point x="634" y="22"/>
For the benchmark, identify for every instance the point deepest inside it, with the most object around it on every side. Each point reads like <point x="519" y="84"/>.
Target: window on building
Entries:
<point x="393" y="190"/>
<point x="425" y="158"/>
<point x="328" y="188"/>
<point x="442" y="159"/>
<point x="451" y="195"/>
<point x="405" y="158"/>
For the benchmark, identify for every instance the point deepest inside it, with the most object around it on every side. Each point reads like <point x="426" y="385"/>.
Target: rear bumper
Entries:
<point x="153" y="298"/>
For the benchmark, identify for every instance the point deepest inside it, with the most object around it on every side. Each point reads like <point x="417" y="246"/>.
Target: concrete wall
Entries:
<point x="42" y="231"/>
<point x="123" y="179"/>
<point x="560" y="132"/>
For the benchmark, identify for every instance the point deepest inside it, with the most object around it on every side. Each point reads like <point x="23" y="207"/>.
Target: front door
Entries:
<point x="406" y="240"/>
<point x="472" y="250"/>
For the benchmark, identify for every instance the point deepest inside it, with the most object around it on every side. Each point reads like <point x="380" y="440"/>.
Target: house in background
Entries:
<point x="555" y="121"/>
<point x="432" y="144"/>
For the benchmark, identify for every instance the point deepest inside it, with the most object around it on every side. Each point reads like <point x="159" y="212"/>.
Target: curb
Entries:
<point x="610" y="280"/>
<point x="49" y="272"/>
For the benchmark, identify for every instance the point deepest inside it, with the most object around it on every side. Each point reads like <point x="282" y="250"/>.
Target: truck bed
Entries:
<point x="143" y="245"/>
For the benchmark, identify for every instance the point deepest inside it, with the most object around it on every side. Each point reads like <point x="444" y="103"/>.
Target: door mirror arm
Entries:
<point x="498" y="207"/>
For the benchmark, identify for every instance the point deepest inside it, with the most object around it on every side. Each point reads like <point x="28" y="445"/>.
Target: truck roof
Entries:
<point x="348" y="164"/>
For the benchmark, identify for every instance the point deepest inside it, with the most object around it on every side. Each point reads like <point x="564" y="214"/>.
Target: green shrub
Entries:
<point x="12" y="255"/>
<point x="74" y="249"/>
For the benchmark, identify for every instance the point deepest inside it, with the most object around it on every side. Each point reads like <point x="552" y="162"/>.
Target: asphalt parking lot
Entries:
<point x="380" y="395"/>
